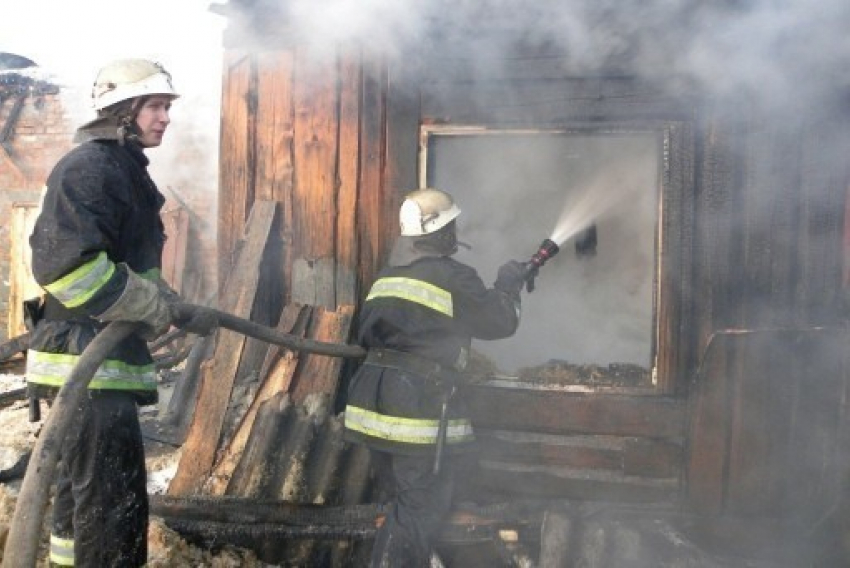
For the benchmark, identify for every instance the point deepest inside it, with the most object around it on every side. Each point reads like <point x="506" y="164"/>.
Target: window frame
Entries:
<point x="671" y="339"/>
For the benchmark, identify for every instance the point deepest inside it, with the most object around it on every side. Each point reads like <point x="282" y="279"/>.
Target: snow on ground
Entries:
<point x="166" y="548"/>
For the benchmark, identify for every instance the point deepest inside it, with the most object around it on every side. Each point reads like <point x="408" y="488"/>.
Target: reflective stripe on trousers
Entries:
<point x="61" y="551"/>
<point x="53" y="369"/>
<point x="405" y="430"/>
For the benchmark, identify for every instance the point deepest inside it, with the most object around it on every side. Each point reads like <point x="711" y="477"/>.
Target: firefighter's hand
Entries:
<point x="201" y="322"/>
<point x="511" y="277"/>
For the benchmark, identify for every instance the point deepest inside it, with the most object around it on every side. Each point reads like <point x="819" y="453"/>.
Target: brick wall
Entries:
<point x="38" y="133"/>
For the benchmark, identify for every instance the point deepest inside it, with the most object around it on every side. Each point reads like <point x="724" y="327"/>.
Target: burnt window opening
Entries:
<point x="599" y="317"/>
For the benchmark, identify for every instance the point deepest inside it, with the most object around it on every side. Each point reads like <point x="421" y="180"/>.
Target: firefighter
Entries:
<point x="417" y="324"/>
<point x="96" y="252"/>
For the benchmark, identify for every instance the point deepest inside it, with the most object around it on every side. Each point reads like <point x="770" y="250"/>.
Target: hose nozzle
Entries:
<point x="548" y="248"/>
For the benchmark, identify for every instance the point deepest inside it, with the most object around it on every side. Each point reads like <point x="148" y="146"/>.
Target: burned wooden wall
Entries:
<point x="769" y="423"/>
<point x="752" y="242"/>
<point x="311" y="133"/>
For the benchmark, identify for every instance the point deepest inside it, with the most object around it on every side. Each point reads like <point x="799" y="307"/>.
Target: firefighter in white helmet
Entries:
<point x="96" y="252"/>
<point x="417" y="324"/>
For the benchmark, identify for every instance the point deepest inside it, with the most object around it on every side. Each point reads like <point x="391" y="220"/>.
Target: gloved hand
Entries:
<point x="202" y="322"/>
<point x="511" y="277"/>
<point x="143" y="301"/>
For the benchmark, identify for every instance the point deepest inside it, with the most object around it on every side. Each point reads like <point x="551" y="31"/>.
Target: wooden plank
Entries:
<point x="639" y="457"/>
<point x="176" y="221"/>
<point x="236" y="176"/>
<point x="314" y="191"/>
<point x="749" y="482"/>
<point x="373" y="195"/>
<point x="673" y="348"/>
<point x="274" y="126"/>
<point x="313" y="281"/>
<point x="274" y="118"/>
<point x="569" y="483"/>
<point x="402" y="146"/>
<point x="203" y="439"/>
<point x="22" y="285"/>
<point x="350" y="77"/>
<point x="319" y="374"/>
<point x="709" y="431"/>
<point x="557" y="102"/>
<point x="556" y="412"/>
<point x="643" y="457"/>
<point x="276" y="376"/>
<point x="253" y="473"/>
<point x="589" y="452"/>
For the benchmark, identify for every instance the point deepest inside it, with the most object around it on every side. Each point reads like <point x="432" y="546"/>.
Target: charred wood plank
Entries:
<point x="176" y="223"/>
<point x="274" y="166"/>
<point x="314" y="209"/>
<point x="252" y="476"/>
<point x="376" y="197"/>
<point x="571" y="483"/>
<point x="645" y="457"/>
<point x="236" y="171"/>
<point x="181" y="405"/>
<point x="601" y="452"/>
<point x="277" y="374"/>
<point x="295" y="443"/>
<point x="350" y="79"/>
<point x="556" y="412"/>
<point x="642" y="457"/>
<point x="323" y="468"/>
<point x="233" y="509"/>
<point x="204" y="436"/>
<point x="319" y="374"/>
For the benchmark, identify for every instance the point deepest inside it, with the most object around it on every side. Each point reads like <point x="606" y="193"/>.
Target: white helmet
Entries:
<point x="426" y="211"/>
<point x="130" y="78"/>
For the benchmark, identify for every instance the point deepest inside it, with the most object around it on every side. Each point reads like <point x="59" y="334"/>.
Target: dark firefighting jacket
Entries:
<point x="428" y="312"/>
<point x="99" y="217"/>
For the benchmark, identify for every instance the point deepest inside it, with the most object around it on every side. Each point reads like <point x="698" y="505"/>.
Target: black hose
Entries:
<point x="14" y="346"/>
<point x="22" y="542"/>
<point x="269" y="335"/>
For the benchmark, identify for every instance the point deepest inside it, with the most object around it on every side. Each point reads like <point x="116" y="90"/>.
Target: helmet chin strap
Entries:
<point x="127" y="129"/>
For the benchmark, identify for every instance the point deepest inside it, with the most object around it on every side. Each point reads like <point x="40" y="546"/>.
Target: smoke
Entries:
<point x="785" y="54"/>
<point x="184" y="36"/>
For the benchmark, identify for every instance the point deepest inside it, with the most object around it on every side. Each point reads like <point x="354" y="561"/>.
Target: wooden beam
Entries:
<point x="236" y="169"/>
<point x="348" y="169"/>
<point x="314" y="205"/>
<point x="176" y="223"/>
<point x="552" y="411"/>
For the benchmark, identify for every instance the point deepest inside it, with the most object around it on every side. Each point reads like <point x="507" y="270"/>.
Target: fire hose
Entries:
<point x="22" y="542"/>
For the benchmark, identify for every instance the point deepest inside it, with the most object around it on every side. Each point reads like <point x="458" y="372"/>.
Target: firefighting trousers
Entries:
<point x="100" y="512"/>
<point x="420" y="504"/>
